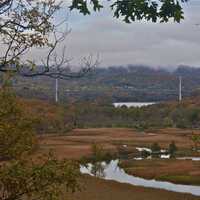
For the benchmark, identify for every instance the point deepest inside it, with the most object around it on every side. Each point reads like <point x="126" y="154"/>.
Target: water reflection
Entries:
<point x="97" y="169"/>
<point x="112" y="171"/>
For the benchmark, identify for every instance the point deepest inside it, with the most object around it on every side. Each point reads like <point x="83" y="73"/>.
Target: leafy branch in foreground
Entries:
<point x="16" y="133"/>
<point x="22" y="175"/>
<point x="22" y="179"/>
<point x="133" y="10"/>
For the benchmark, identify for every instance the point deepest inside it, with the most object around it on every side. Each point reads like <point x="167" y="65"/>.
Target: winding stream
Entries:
<point x="113" y="172"/>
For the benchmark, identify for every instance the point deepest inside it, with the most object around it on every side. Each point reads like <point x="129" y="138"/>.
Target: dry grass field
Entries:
<point x="177" y="171"/>
<point x="78" y="142"/>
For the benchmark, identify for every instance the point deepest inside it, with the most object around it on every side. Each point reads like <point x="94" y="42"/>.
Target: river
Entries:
<point x="113" y="172"/>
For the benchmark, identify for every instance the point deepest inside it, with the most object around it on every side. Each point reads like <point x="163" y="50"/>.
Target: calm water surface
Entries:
<point x="133" y="104"/>
<point x="113" y="172"/>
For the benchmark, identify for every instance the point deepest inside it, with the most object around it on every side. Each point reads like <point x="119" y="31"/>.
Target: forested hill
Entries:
<point x="132" y="83"/>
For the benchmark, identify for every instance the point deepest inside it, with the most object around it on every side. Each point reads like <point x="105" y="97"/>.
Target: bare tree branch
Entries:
<point x="26" y="24"/>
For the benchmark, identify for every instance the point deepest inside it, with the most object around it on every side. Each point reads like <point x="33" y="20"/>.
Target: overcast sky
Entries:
<point x="146" y="43"/>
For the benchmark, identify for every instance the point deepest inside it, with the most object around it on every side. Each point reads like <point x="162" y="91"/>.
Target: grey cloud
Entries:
<point x="137" y="43"/>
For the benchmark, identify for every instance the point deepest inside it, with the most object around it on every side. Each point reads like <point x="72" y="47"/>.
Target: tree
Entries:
<point x="155" y="148"/>
<point x="21" y="176"/>
<point x="16" y="133"/>
<point x="132" y="10"/>
<point x="31" y="24"/>
<point x="22" y="179"/>
<point x="172" y="149"/>
<point x="193" y="117"/>
<point x="196" y="140"/>
<point x="97" y="159"/>
<point x="167" y="122"/>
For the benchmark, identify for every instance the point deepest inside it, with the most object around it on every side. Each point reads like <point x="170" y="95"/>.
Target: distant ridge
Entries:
<point x="130" y="83"/>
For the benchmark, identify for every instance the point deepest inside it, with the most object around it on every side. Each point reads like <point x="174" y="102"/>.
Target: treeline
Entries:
<point x="54" y="118"/>
<point x="180" y="115"/>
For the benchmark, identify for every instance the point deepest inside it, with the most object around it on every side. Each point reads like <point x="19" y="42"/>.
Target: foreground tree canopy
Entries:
<point x="29" y="24"/>
<point x="22" y="175"/>
<point x="132" y="10"/>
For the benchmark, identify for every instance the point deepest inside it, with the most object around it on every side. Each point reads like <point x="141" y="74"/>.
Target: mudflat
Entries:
<point x="99" y="189"/>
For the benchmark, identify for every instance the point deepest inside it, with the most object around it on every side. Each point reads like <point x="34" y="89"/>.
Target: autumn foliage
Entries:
<point x="21" y="176"/>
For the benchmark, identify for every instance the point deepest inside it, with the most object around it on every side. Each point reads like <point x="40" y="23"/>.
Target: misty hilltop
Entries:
<point x="116" y="84"/>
